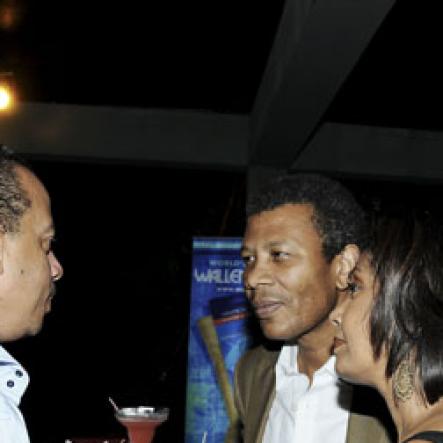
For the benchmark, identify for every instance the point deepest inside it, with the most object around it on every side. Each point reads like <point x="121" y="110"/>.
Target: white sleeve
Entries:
<point x="12" y="425"/>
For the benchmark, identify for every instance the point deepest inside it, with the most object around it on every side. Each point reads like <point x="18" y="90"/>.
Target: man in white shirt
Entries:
<point x="301" y="242"/>
<point x="28" y="272"/>
<point x="13" y="383"/>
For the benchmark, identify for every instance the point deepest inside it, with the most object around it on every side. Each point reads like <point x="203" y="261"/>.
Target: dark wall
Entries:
<point x="119" y="321"/>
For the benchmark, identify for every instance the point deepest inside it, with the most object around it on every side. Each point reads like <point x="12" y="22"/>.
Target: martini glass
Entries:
<point x="141" y="422"/>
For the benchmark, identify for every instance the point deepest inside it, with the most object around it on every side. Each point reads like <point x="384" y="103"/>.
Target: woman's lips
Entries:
<point x="266" y="309"/>
<point x="338" y="343"/>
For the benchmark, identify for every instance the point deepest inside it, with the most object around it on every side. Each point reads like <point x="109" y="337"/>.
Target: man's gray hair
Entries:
<point x="14" y="200"/>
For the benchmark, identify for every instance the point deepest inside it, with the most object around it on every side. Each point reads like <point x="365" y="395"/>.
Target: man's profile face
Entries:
<point x="28" y="267"/>
<point x="288" y="281"/>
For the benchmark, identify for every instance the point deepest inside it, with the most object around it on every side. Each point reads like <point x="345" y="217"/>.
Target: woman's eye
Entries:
<point x="352" y="288"/>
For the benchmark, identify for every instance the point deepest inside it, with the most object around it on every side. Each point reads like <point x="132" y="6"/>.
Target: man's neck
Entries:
<point x="314" y="349"/>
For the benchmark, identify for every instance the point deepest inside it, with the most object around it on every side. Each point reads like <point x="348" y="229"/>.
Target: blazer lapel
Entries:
<point x="369" y="421"/>
<point x="365" y="429"/>
<point x="358" y="429"/>
<point x="261" y="401"/>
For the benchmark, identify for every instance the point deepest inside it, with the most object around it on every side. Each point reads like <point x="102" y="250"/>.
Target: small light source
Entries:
<point x="5" y="98"/>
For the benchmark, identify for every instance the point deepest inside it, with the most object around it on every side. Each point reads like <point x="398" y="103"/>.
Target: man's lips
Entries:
<point x="49" y="298"/>
<point x="266" y="308"/>
<point x="48" y="305"/>
<point x="338" y="343"/>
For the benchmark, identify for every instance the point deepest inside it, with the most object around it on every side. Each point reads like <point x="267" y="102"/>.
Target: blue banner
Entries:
<point x="218" y="337"/>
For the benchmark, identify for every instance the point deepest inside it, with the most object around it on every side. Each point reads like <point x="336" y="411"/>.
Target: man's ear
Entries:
<point x="346" y="262"/>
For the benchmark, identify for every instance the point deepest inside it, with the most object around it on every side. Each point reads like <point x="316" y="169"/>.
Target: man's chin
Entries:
<point x="48" y="305"/>
<point x="17" y="335"/>
<point x="273" y="332"/>
<point x="35" y="328"/>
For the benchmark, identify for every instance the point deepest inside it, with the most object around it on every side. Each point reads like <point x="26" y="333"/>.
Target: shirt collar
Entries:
<point x="329" y="367"/>
<point x="13" y="377"/>
<point x="287" y="360"/>
<point x="287" y="363"/>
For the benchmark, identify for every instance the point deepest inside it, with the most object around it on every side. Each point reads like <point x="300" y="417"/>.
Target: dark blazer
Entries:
<point x="254" y="391"/>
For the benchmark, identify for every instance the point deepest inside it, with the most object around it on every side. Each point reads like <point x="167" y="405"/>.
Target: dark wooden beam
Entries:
<point x="316" y="46"/>
<point x="94" y="133"/>
<point x="372" y="151"/>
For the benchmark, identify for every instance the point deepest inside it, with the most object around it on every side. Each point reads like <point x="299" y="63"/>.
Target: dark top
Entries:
<point x="434" y="436"/>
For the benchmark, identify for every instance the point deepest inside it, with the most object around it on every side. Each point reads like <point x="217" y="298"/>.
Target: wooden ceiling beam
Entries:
<point x="316" y="46"/>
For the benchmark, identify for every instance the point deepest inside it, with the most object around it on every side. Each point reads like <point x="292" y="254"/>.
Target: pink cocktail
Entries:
<point x="141" y="422"/>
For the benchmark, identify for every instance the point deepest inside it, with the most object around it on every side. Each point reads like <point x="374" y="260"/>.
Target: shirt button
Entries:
<point x="19" y="373"/>
<point x="10" y="384"/>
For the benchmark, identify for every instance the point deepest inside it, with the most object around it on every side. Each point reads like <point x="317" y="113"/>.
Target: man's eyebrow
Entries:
<point x="276" y="243"/>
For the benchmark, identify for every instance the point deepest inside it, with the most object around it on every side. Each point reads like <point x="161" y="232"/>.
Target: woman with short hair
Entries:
<point x="390" y="324"/>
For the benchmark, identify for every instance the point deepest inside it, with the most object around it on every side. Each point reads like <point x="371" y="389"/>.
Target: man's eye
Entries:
<point x="279" y="255"/>
<point x="247" y="259"/>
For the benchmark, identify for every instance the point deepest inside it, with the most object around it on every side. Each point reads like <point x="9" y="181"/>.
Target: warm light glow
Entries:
<point x="5" y="98"/>
<point x="11" y="14"/>
<point x="7" y="18"/>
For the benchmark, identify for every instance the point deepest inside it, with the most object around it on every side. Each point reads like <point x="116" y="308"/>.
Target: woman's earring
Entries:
<point x="403" y="382"/>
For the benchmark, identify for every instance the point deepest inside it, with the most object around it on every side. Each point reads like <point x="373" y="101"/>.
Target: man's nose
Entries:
<point x="256" y="274"/>
<point x="56" y="267"/>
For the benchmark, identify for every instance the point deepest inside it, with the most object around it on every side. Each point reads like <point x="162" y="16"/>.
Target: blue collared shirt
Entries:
<point x="13" y="383"/>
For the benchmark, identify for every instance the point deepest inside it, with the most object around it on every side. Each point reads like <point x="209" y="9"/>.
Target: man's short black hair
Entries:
<point x="337" y="217"/>
<point x="407" y="316"/>
<point x="14" y="200"/>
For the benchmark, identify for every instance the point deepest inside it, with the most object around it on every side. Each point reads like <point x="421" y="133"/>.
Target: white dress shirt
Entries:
<point x="13" y="383"/>
<point x="307" y="414"/>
